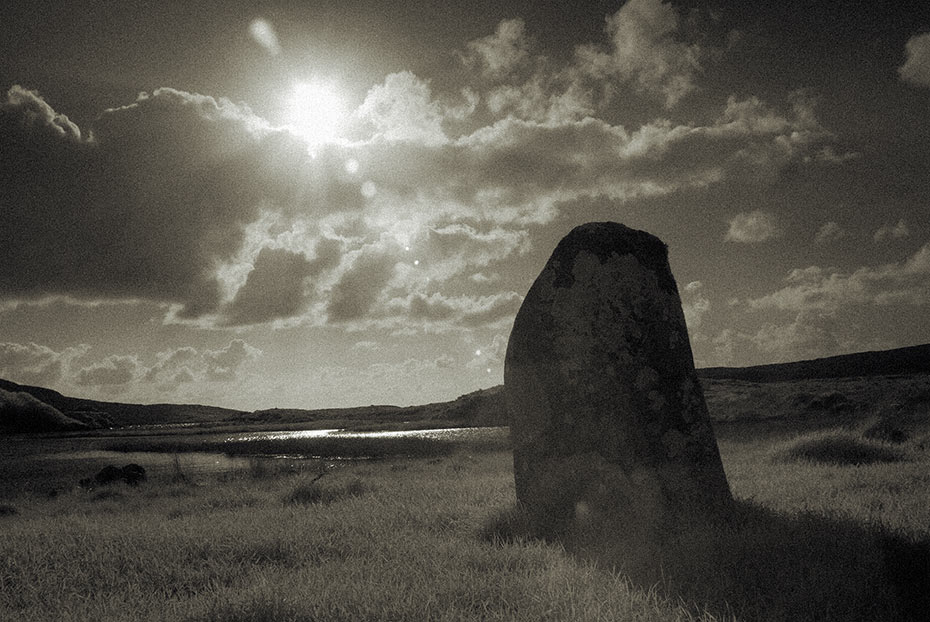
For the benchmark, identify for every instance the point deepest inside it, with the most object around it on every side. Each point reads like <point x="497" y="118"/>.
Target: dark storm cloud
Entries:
<point x="145" y="208"/>
<point x="361" y="285"/>
<point x="274" y="289"/>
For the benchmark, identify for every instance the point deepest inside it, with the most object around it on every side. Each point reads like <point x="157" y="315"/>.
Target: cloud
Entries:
<point x="27" y="109"/>
<point x="174" y="367"/>
<point x="402" y="109"/>
<point x="694" y="304"/>
<point x="274" y="289"/>
<point x="808" y="334"/>
<point x="482" y="278"/>
<point x="202" y="207"/>
<point x="916" y="67"/>
<point x="500" y="53"/>
<point x="361" y="284"/>
<point x="828" y="154"/>
<point x="40" y="365"/>
<point x="645" y="48"/>
<point x="222" y="365"/>
<point x="165" y="189"/>
<point x="187" y="365"/>
<point x="114" y="370"/>
<point x="456" y="248"/>
<point x="752" y="227"/>
<point x="263" y="33"/>
<point x="892" y="232"/>
<point x="439" y="311"/>
<point x="36" y="364"/>
<point x="816" y="289"/>
<point x="830" y="231"/>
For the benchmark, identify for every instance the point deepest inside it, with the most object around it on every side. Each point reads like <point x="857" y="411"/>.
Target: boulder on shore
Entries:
<point x="131" y="474"/>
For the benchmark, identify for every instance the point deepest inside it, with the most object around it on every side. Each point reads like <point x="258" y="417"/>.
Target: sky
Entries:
<point x="316" y="204"/>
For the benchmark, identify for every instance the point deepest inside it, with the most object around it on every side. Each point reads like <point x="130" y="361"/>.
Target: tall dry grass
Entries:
<point x="437" y="538"/>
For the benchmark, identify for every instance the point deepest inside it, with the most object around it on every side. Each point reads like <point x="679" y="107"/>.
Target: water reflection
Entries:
<point x="457" y="434"/>
<point x="192" y="462"/>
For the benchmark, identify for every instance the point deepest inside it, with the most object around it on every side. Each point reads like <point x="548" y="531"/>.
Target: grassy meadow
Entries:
<point x="830" y="524"/>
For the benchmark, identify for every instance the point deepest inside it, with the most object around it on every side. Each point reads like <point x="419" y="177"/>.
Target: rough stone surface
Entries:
<point x="606" y="411"/>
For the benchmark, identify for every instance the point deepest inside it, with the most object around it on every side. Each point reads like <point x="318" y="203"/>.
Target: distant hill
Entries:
<point x="22" y="412"/>
<point x="97" y="414"/>
<point x="911" y="360"/>
<point x="478" y="408"/>
<point x="728" y="395"/>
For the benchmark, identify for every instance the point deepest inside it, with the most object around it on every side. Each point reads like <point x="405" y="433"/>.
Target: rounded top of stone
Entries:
<point x="604" y="239"/>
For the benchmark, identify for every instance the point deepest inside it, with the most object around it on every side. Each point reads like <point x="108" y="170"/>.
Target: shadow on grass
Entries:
<point x="756" y="564"/>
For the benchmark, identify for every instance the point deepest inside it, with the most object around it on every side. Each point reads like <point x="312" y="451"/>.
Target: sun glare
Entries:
<point x="316" y="112"/>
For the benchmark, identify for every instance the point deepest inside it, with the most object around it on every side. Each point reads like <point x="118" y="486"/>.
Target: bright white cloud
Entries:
<point x="916" y="67"/>
<point x="403" y="109"/>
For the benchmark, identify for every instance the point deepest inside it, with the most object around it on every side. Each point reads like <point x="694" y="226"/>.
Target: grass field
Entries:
<point x="813" y="537"/>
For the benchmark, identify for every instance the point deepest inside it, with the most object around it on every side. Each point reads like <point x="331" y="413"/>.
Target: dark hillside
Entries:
<point x="98" y="414"/>
<point x="910" y="360"/>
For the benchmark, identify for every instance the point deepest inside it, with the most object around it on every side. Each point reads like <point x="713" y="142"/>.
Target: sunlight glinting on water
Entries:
<point x="277" y="436"/>
<point x="435" y="433"/>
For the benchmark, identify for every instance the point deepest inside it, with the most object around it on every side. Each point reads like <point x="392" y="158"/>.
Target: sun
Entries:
<point x="316" y="112"/>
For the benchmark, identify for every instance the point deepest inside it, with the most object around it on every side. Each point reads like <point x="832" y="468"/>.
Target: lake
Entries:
<point x="36" y="463"/>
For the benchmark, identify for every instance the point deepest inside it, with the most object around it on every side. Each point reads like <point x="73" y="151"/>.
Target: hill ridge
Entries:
<point x="480" y="407"/>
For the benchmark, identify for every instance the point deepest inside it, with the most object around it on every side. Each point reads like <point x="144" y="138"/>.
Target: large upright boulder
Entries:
<point x="606" y="412"/>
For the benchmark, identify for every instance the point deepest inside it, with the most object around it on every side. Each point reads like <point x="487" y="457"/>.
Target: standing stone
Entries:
<point x="606" y="411"/>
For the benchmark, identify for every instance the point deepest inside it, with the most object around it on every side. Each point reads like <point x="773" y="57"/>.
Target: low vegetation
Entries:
<point x="841" y="447"/>
<point x="438" y="537"/>
<point x="830" y="522"/>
